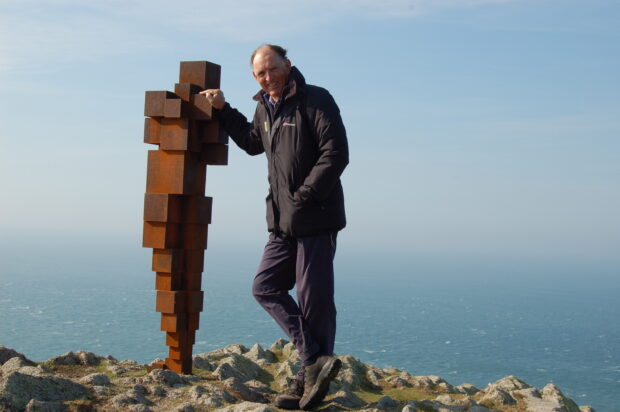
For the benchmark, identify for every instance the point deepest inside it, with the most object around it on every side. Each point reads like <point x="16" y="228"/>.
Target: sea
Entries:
<point x="466" y="320"/>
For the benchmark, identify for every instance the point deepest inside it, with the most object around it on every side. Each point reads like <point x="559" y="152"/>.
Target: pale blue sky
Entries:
<point x="480" y="128"/>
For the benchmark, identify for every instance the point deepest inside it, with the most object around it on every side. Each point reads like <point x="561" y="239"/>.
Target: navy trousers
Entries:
<point x="308" y="264"/>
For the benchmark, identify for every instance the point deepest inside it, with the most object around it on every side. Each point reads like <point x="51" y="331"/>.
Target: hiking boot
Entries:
<point x="287" y="402"/>
<point x="317" y="379"/>
<point x="291" y="397"/>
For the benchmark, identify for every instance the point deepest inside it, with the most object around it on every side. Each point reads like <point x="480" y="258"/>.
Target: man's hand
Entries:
<point x="215" y="97"/>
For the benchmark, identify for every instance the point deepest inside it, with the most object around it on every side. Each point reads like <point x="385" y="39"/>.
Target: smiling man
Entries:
<point x="299" y="128"/>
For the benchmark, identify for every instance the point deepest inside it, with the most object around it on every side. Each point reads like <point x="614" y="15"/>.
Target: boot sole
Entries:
<point x="319" y="390"/>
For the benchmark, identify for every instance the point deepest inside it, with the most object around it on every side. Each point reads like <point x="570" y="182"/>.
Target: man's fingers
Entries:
<point x="215" y="97"/>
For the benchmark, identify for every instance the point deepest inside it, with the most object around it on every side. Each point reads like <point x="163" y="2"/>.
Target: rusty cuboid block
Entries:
<point x="176" y="212"/>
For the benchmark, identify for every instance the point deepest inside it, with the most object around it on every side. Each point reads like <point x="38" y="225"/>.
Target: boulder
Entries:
<point x="257" y="353"/>
<point x="397" y="382"/>
<point x="131" y="397"/>
<point x="278" y="345"/>
<point x="244" y="392"/>
<point x="224" y="352"/>
<point x="353" y="374"/>
<point x="8" y="353"/>
<point x="385" y="402"/>
<point x="511" y="383"/>
<point x="42" y="406"/>
<point x="258" y="386"/>
<point x="237" y="366"/>
<point x="495" y="396"/>
<point x="289" y="351"/>
<point x="96" y="379"/>
<point x="347" y="399"/>
<point x="17" y="389"/>
<point x="210" y="396"/>
<point x="201" y="361"/>
<point x="467" y="389"/>
<point x="22" y="365"/>
<point x="553" y="400"/>
<point x="247" y="407"/>
<point x="167" y="377"/>
<point x="185" y="407"/>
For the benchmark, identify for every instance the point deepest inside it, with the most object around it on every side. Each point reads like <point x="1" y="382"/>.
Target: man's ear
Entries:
<point x="254" y="74"/>
<point x="288" y="65"/>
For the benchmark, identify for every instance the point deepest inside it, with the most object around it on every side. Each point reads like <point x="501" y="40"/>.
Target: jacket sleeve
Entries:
<point x="333" y="150"/>
<point x="245" y="134"/>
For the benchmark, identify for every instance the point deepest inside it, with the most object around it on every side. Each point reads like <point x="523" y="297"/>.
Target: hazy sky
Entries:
<point x="482" y="128"/>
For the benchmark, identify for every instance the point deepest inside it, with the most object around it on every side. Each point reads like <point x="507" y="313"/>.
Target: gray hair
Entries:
<point x="279" y="50"/>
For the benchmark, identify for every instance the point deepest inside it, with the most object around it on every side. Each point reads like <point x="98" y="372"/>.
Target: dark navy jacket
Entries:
<point x="306" y="146"/>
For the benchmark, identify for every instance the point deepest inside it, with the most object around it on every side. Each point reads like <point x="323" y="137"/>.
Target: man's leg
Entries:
<point x="315" y="294"/>
<point x="275" y="278"/>
<point x="315" y="288"/>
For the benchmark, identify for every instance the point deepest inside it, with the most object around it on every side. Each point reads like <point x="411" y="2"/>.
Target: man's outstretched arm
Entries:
<point x="244" y="133"/>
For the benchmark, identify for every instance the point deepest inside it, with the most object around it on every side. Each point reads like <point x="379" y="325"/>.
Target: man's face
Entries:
<point x="270" y="71"/>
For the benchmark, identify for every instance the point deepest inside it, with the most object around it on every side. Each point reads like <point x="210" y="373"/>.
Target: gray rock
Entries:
<point x="8" y="353"/>
<point x="258" y="386"/>
<point x="88" y="358"/>
<point x="386" y="402"/>
<point x="226" y="351"/>
<point x="429" y="382"/>
<point x="18" y="389"/>
<point x="68" y="358"/>
<point x="550" y="399"/>
<point x="98" y="379"/>
<point x="117" y="370"/>
<point x="131" y="397"/>
<point x="247" y="407"/>
<point x="511" y="383"/>
<point x="201" y="361"/>
<point x="347" y="399"/>
<point x="102" y="391"/>
<point x="495" y="396"/>
<point x="185" y="407"/>
<point x="354" y="374"/>
<point x="158" y="391"/>
<point x="374" y="375"/>
<point x="79" y="358"/>
<point x="287" y="368"/>
<point x="210" y="396"/>
<point x="237" y="366"/>
<point x="139" y="408"/>
<point x="42" y="406"/>
<point x="397" y="382"/>
<point x="243" y="391"/>
<point x="166" y="377"/>
<point x="278" y="345"/>
<point x="22" y="365"/>
<point x="257" y="353"/>
<point x="446" y="399"/>
<point x="289" y="351"/>
<point x="466" y="388"/>
<point x="410" y="407"/>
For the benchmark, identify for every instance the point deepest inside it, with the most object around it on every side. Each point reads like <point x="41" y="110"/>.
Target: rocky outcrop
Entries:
<point x="238" y="379"/>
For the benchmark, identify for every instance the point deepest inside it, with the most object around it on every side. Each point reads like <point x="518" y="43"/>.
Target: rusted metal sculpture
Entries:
<point x="176" y="212"/>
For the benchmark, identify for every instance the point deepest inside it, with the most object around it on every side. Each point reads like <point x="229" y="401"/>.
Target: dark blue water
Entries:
<point x="464" y="321"/>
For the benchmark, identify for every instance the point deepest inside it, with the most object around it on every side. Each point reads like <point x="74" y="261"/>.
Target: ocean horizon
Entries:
<point x="466" y="322"/>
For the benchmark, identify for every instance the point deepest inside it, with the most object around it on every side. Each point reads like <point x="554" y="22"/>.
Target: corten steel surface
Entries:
<point x="176" y="211"/>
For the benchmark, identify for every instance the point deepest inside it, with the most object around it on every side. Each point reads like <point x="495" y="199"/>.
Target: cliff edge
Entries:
<point x="238" y="379"/>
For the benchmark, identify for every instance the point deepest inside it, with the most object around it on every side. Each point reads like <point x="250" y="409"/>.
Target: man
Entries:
<point x="299" y="128"/>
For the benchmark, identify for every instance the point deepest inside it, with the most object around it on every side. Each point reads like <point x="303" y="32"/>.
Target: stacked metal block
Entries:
<point x="176" y="211"/>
